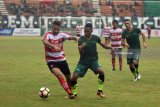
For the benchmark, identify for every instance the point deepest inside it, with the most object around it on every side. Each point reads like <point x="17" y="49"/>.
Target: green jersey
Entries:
<point x="90" y="51"/>
<point x="132" y="38"/>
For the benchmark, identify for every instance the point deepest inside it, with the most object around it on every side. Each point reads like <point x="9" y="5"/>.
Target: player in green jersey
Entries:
<point x="131" y="35"/>
<point x="89" y="59"/>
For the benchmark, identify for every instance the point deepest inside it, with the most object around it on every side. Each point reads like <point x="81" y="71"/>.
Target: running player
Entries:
<point x="105" y="33"/>
<point x="55" y="57"/>
<point x="131" y="35"/>
<point x="89" y="59"/>
<point x="149" y="31"/>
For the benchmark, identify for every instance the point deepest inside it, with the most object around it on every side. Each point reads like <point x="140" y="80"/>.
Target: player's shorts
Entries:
<point x="134" y="54"/>
<point x="118" y="52"/>
<point x="62" y="65"/>
<point x="82" y="68"/>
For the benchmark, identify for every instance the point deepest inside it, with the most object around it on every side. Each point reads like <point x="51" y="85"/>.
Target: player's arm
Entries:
<point x="144" y="40"/>
<point x="124" y="44"/>
<point x="123" y="40"/>
<point x="107" y="39"/>
<point x="81" y="48"/>
<point x="73" y="38"/>
<point x="47" y="43"/>
<point x="106" y="46"/>
<point x="70" y="37"/>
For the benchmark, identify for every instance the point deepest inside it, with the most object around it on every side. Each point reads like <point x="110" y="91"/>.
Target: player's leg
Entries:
<point x="74" y="83"/>
<point x="95" y="67"/>
<point x="66" y="71"/>
<point x="113" y="62"/>
<point x="120" y="59"/>
<point x="130" y="63"/>
<point x="136" y="62"/>
<point x="80" y="71"/>
<point x="55" y="69"/>
<point x="132" y="69"/>
<point x="149" y="34"/>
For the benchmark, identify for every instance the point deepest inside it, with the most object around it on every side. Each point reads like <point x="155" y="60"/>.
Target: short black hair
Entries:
<point x="127" y="20"/>
<point x="89" y="25"/>
<point x="115" y="21"/>
<point x="56" y="22"/>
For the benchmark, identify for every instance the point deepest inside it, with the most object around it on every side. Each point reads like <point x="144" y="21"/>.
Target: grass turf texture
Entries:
<point x="23" y="72"/>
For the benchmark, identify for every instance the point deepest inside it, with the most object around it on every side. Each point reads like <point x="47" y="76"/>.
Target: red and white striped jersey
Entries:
<point x="57" y="40"/>
<point x="105" y="31"/>
<point x="79" y="29"/>
<point x="115" y="37"/>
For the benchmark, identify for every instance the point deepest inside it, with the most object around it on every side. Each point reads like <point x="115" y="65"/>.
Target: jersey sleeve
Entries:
<point x="98" y="39"/>
<point x="45" y="36"/>
<point x="65" y="35"/>
<point x="80" y="41"/>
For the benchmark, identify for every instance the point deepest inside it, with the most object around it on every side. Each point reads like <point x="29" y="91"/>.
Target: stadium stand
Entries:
<point x="122" y="8"/>
<point x="50" y="8"/>
<point x="80" y="7"/>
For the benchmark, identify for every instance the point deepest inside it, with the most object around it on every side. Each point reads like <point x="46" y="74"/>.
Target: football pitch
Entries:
<point x="23" y="71"/>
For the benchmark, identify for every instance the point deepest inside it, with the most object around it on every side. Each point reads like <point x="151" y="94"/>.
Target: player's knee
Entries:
<point x="135" y="62"/>
<point x="75" y="76"/>
<point x="101" y="77"/>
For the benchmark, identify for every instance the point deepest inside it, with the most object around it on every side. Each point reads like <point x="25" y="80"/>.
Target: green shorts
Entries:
<point x="133" y="54"/>
<point x="82" y="67"/>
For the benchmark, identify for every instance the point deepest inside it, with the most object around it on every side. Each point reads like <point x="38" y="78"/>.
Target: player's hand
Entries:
<point x="144" y="45"/>
<point x="77" y="39"/>
<point x="112" y="50"/>
<point x="83" y="45"/>
<point x="57" y="48"/>
<point x="125" y="46"/>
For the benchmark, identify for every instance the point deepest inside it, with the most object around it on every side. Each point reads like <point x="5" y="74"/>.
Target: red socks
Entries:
<point x="65" y="85"/>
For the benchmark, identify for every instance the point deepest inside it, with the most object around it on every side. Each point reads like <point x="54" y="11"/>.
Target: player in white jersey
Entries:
<point x="79" y="30"/>
<point x="55" y="57"/>
<point x="105" y="33"/>
<point x="115" y="38"/>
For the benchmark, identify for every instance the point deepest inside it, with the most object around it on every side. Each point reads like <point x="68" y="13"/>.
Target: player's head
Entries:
<point x="127" y="23"/>
<point x="56" y="27"/>
<point x="88" y="29"/>
<point x="115" y="23"/>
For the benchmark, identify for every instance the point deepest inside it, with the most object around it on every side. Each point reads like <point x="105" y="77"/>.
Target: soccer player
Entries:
<point x="131" y="35"/>
<point x="89" y="59"/>
<point x="149" y="31"/>
<point x="115" y="38"/>
<point x="79" y="29"/>
<point x="55" y="57"/>
<point x="105" y="33"/>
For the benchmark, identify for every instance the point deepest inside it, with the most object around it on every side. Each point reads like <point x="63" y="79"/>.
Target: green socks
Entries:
<point x="100" y="84"/>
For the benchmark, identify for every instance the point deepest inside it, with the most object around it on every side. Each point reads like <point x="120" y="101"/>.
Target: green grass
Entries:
<point x="23" y="72"/>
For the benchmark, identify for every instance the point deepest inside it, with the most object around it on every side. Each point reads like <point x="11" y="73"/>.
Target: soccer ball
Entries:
<point x="44" y="92"/>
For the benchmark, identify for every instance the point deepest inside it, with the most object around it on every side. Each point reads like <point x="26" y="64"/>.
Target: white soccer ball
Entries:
<point x="44" y="92"/>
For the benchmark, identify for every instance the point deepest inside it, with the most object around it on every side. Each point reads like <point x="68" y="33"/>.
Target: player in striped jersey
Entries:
<point x="115" y="38"/>
<point x="79" y="29"/>
<point x="55" y="57"/>
<point x="105" y="33"/>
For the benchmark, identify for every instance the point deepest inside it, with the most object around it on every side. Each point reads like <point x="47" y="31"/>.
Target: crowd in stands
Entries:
<point x="121" y="8"/>
<point x="69" y="7"/>
<point x="52" y="8"/>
